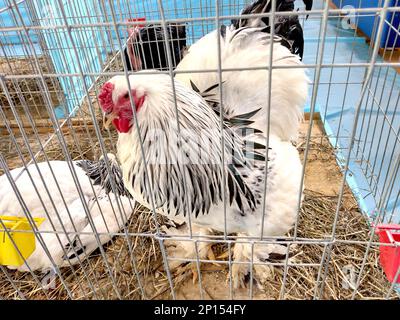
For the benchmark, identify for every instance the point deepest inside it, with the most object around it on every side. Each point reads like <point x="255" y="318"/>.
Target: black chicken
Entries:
<point x="146" y="47"/>
<point x="287" y="27"/>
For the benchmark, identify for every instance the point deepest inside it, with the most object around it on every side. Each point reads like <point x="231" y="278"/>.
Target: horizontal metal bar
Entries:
<point x="221" y="239"/>
<point x="258" y="263"/>
<point x="111" y="74"/>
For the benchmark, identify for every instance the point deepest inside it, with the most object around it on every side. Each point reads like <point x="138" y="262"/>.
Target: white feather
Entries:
<point x="74" y="221"/>
<point x="244" y="91"/>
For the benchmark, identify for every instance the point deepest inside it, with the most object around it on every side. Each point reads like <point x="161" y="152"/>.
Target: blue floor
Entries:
<point x="339" y="91"/>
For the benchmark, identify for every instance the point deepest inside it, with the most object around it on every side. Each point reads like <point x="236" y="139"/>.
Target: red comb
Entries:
<point x="105" y="97"/>
<point x="138" y="20"/>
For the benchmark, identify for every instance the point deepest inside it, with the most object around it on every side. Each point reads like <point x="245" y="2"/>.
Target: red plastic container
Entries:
<point x="389" y="255"/>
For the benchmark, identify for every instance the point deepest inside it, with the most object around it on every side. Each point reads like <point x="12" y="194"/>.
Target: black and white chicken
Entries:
<point x="67" y="249"/>
<point x="185" y="171"/>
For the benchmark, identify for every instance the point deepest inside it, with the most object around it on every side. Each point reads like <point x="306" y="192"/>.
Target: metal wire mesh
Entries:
<point x="54" y="58"/>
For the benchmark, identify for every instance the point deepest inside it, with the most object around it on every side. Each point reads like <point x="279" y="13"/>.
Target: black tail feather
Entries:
<point x="288" y="28"/>
<point x="98" y="173"/>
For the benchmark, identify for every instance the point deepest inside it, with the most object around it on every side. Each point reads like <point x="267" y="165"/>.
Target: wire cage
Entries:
<point x="55" y="56"/>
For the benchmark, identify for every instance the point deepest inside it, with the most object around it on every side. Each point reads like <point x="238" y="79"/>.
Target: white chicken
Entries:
<point x="183" y="172"/>
<point x="63" y="210"/>
<point x="247" y="90"/>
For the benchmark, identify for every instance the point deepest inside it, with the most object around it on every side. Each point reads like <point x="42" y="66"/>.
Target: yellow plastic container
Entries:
<point x="25" y="241"/>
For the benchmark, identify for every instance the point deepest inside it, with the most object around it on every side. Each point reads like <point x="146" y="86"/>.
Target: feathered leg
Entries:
<point x="186" y="250"/>
<point x="263" y="255"/>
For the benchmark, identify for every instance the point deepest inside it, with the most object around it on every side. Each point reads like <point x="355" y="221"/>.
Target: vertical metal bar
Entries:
<point x="219" y="71"/>
<point x="268" y="120"/>
<point x="221" y="111"/>
<point x="319" y="274"/>
<point x="285" y="272"/>
<point x="199" y="269"/>
<point x="230" y="270"/>
<point x="317" y="76"/>
<point x="251" y="293"/>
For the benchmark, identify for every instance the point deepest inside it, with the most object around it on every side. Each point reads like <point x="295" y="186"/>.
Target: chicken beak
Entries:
<point x="107" y="119"/>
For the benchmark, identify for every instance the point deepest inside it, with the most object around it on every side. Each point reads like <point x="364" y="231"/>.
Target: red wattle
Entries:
<point x="116" y="124"/>
<point x="122" y="125"/>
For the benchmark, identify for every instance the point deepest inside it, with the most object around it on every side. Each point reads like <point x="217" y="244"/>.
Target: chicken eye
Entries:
<point x="126" y="96"/>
